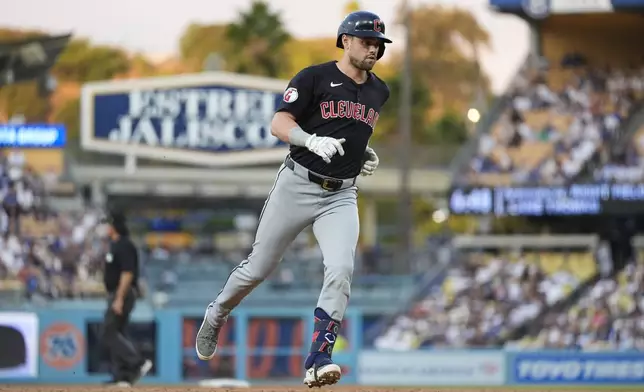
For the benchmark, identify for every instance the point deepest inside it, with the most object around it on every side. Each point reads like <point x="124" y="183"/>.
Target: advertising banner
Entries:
<point x="18" y="345"/>
<point x="431" y="368"/>
<point x="70" y="347"/>
<point x="32" y="135"/>
<point x="213" y="119"/>
<point x="576" y="368"/>
<point x="572" y="200"/>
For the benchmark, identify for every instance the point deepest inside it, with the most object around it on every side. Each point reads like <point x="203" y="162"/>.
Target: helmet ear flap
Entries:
<point x="381" y="50"/>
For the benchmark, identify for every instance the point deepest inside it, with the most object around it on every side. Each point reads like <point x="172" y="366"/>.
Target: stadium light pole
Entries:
<point x="405" y="145"/>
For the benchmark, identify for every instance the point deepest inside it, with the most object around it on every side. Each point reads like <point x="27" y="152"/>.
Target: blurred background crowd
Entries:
<point x="560" y="120"/>
<point x="46" y="253"/>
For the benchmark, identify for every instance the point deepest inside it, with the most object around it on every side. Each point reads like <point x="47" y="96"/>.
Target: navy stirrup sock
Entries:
<point x="325" y="334"/>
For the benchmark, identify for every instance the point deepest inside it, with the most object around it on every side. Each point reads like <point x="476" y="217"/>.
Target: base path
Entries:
<point x="342" y="388"/>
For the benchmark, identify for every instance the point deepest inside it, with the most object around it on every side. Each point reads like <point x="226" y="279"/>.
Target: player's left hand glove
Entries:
<point x="371" y="162"/>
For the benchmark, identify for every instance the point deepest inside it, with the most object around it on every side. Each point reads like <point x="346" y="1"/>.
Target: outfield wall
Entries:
<point x="269" y="346"/>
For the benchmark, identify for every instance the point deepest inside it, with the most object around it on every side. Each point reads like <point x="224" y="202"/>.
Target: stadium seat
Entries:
<point x="639" y="140"/>
<point x="582" y="265"/>
<point x="493" y="179"/>
<point x="537" y="119"/>
<point x="37" y="228"/>
<point x="44" y="161"/>
<point x="551" y="263"/>
<point x="528" y="155"/>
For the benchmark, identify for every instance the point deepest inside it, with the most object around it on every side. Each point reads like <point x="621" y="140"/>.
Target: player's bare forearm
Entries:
<point x="124" y="284"/>
<point x="286" y="129"/>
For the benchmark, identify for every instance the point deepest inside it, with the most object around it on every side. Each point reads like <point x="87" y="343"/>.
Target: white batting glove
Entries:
<point x="370" y="165"/>
<point x="325" y="147"/>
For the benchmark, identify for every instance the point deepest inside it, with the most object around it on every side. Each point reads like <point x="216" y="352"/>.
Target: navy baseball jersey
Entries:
<point x="326" y="102"/>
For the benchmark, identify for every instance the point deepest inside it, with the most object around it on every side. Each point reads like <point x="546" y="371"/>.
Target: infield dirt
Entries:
<point x="343" y="388"/>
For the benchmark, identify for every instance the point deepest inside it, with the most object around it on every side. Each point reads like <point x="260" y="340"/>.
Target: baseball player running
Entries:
<point x="327" y="115"/>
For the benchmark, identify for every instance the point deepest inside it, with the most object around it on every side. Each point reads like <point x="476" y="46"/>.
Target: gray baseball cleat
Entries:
<point x="206" y="342"/>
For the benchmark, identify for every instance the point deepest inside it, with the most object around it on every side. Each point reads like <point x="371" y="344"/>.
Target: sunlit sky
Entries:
<point x="154" y="27"/>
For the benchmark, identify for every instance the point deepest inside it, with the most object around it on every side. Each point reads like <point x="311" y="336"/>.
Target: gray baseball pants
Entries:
<point x="293" y="204"/>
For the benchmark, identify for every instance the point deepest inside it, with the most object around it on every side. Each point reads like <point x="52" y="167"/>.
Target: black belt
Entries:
<point x="327" y="183"/>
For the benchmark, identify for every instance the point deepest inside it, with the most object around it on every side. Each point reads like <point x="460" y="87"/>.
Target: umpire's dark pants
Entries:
<point x="126" y="361"/>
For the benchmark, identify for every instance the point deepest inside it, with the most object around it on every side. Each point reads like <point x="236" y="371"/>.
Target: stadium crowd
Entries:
<point x="479" y="302"/>
<point x="610" y="316"/>
<point x="50" y="255"/>
<point x="556" y="121"/>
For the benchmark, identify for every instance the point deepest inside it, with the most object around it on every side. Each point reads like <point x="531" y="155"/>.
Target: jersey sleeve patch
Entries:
<point x="290" y="95"/>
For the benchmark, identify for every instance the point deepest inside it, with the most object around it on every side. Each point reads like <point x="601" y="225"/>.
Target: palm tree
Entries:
<point x="256" y="42"/>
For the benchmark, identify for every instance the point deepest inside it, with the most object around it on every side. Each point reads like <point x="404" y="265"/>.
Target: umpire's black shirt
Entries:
<point x="327" y="102"/>
<point x="121" y="257"/>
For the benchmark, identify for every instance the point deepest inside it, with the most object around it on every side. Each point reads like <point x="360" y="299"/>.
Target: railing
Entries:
<point x="565" y="241"/>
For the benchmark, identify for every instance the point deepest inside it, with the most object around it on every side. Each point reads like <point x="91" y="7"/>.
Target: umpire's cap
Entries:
<point x="363" y="24"/>
<point x="117" y="220"/>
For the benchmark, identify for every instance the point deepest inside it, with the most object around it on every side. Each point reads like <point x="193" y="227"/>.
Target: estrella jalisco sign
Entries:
<point x="213" y="119"/>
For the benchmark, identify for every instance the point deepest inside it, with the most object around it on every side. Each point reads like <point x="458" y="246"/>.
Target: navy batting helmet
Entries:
<point x="363" y="24"/>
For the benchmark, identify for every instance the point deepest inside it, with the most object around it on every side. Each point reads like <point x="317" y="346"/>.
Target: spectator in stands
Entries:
<point x="4" y="273"/>
<point x="30" y="277"/>
<point x="11" y="206"/>
<point x="11" y="253"/>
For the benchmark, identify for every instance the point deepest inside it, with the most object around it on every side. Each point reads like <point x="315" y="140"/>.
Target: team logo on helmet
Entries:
<point x="290" y="95"/>
<point x="377" y="25"/>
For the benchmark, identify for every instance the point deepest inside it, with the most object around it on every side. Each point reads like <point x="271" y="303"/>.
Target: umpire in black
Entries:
<point x="121" y="279"/>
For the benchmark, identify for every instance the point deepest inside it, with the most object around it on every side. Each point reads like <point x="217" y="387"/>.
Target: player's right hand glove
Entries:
<point x="325" y="147"/>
